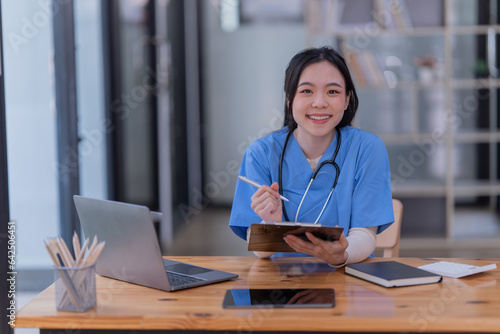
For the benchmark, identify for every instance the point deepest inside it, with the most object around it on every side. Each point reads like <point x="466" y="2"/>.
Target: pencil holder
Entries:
<point x="75" y="288"/>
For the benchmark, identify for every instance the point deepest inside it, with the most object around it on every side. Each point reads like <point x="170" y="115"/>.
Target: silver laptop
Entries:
<point x="132" y="251"/>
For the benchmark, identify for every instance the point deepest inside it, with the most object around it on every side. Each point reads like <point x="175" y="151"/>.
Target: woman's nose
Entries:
<point x="320" y="101"/>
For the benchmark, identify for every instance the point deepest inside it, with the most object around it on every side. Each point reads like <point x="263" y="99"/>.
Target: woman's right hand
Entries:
<point x="266" y="203"/>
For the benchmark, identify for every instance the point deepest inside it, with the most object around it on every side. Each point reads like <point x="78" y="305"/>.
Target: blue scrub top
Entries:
<point x="362" y="197"/>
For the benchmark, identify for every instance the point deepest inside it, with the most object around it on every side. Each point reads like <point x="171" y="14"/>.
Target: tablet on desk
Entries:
<point x="279" y="298"/>
<point x="268" y="237"/>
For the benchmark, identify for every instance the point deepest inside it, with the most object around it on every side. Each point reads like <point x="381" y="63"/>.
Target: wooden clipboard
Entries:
<point x="268" y="237"/>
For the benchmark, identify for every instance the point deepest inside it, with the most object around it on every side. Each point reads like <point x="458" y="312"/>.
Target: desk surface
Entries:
<point x="470" y="304"/>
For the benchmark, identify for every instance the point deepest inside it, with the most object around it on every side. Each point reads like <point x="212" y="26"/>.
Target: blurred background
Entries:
<point x="153" y="102"/>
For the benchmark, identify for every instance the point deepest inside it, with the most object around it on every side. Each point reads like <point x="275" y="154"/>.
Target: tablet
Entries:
<point x="279" y="298"/>
<point x="268" y="237"/>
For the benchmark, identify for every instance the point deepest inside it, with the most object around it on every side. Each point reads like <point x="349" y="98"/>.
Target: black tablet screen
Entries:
<point x="248" y="298"/>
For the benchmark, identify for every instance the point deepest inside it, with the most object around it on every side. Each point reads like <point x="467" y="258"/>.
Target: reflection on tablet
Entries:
<point x="248" y="298"/>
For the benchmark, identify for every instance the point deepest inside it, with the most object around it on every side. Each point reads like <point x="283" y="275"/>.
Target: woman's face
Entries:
<point x="320" y="101"/>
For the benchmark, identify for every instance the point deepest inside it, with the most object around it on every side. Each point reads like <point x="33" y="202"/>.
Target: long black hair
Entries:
<point x="294" y="70"/>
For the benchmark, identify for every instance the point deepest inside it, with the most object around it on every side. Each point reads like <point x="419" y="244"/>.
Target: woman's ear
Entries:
<point x="347" y="99"/>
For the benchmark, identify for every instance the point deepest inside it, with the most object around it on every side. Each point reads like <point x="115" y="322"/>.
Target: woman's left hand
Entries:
<point x="332" y="252"/>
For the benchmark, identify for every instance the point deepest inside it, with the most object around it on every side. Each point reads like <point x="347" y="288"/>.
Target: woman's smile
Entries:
<point x="316" y="117"/>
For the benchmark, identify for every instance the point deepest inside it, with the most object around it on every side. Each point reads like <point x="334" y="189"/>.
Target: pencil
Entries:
<point x="256" y="185"/>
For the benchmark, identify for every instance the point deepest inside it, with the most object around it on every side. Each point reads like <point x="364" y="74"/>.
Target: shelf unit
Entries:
<point x="442" y="133"/>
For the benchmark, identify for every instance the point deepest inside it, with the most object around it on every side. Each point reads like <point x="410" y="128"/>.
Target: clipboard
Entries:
<point x="268" y="237"/>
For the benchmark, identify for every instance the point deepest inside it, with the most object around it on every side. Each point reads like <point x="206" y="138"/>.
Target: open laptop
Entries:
<point x="132" y="252"/>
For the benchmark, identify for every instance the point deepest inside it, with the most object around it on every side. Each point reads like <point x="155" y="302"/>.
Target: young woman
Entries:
<point x="348" y="167"/>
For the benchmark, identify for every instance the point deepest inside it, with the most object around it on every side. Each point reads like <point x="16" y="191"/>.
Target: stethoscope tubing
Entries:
<point x="332" y="161"/>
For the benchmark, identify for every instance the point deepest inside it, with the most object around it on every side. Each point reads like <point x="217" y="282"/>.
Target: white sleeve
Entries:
<point x="361" y="243"/>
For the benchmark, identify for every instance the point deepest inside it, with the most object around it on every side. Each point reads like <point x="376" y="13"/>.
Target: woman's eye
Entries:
<point x="306" y="91"/>
<point x="332" y="92"/>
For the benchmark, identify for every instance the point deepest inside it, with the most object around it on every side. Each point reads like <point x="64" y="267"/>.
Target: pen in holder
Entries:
<point x="74" y="276"/>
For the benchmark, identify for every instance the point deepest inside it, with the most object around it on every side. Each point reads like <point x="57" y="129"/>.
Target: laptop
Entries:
<point x="132" y="252"/>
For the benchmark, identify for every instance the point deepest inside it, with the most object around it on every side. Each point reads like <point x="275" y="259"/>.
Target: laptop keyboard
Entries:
<point x="177" y="279"/>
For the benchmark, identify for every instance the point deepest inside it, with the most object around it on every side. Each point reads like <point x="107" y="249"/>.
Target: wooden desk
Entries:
<point x="456" y="305"/>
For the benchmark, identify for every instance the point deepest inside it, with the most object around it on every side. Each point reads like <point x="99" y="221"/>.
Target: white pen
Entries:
<point x="256" y="185"/>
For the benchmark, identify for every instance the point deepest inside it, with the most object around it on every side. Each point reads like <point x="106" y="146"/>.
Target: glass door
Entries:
<point x="131" y="101"/>
<point x="31" y="129"/>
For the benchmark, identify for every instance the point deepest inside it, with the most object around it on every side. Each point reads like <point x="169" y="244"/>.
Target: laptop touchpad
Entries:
<point x="186" y="269"/>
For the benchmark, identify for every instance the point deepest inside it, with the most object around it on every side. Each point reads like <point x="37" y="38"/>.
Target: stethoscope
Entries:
<point x="316" y="172"/>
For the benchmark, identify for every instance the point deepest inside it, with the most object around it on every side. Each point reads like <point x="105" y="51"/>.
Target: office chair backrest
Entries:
<point x="389" y="239"/>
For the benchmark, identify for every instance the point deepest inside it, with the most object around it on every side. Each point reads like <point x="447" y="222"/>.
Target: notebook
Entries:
<point x="391" y="273"/>
<point x="454" y="269"/>
<point x="132" y="252"/>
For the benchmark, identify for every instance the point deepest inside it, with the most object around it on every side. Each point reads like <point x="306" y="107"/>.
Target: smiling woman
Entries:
<point x="318" y="143"/>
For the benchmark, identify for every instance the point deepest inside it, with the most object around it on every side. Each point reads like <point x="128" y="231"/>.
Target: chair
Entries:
<point x="389" y="239"/>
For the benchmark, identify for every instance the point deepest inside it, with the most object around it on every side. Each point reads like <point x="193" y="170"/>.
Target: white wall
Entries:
<point x="243" y="75"/>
